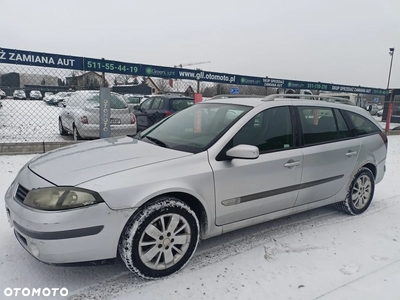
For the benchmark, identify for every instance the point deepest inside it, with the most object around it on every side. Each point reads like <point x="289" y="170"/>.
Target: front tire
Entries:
<point x="160" y="239"/>
<point x="360" y="193"/>
<point x="75" y="134"/>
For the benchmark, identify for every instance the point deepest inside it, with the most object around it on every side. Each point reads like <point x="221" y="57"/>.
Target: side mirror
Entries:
<point x="136" y="107"/>
<point x="243" y="152"/>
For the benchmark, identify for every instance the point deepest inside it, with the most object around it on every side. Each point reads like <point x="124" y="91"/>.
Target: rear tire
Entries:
<point x="160" y="239"/>
<point x="360" y="193"/>
<point x="61" y="128"/>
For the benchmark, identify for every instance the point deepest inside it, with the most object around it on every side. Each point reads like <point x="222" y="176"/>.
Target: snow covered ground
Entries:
<point x="320" y="254"/>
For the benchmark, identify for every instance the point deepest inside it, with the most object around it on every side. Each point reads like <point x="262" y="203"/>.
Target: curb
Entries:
<point x="32" y="147"/>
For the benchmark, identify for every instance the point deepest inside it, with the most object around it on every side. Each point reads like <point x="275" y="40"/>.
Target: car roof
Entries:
<point x="272" y="100"/>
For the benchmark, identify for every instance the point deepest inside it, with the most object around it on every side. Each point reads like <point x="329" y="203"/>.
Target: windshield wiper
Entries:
<point x="157" y="141"/>
<point x="138" y="135"/>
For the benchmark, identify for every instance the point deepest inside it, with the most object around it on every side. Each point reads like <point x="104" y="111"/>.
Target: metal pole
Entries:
<point x="391" y="53"/>
<point x="390" y="108"/>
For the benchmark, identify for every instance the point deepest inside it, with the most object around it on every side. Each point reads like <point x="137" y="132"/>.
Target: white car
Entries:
<point x="2" y="94"/>
<point x="19" y="95"/>
<point x="80" y="116"/>
<point x="35" y="95"/>
<point x="211" y="168"/>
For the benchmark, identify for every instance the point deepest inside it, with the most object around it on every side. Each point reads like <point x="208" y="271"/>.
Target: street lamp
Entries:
<point x="391" y="53"/>
<point x="390" y="108"/>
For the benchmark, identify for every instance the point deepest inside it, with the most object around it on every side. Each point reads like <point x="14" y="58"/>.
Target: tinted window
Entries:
<point x="268" y="130"/>
<point x="157" y="103"/>
<point x="362" y="125"/>
<point x="146" y="104"/>
<point x="318" y="125"/>
<point x="179" y="104"/>
<point x="344" y="131"/>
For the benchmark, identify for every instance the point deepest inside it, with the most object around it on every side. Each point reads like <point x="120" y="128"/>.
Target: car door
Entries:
<point x="156" y="112"/>
<point x="141" y="114"/>
<point x="249" y="188"/>
<point x="330" y="153"/>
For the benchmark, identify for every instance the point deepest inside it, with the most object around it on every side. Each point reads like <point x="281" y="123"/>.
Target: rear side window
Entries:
<point x="362" y="125"/>
<point x="344" y="131"/>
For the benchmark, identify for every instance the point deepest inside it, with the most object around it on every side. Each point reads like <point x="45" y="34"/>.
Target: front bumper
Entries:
<point x="62" y="237"/>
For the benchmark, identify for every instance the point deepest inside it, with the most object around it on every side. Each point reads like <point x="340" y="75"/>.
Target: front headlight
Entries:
<point x="61" y="198"/>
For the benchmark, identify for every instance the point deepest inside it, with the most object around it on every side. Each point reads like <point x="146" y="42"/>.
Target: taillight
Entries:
<point x="384" y="138"/>
<point x="133" y="119"/>
<point x="84" y="120"/>
<point x="167" y="113"/>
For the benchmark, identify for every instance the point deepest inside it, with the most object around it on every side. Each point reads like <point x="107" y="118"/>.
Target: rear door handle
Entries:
<point x="351" y="153"/>
<point x="291" y="164"/>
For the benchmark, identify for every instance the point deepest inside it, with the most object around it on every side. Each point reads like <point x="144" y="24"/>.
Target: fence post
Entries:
<point x="389" y="113"/>
<point x="105" y="112"/>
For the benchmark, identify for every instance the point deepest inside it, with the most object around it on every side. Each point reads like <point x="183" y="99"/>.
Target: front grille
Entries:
<point x="21" y="193"/>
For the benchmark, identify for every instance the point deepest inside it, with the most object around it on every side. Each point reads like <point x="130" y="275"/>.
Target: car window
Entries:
<point x="362" y="125"/>
<point x="268" y="130"/>
<point x="133" y="99"/>
<point x="93" y="100"/>
<point x="179" y="104"/>
<point x="343" y="129"/>
<point x="146" y="104"/>
<point x="194" y="129"/>
<point x="157" y="103"/>
<point x="318" y="125"/>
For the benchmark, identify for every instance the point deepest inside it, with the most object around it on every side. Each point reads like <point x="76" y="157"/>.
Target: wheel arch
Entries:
<point x="194" y="203"/>
<point x="371" y="167"/>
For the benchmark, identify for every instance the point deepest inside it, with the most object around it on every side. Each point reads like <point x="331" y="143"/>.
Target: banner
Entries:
<point x="20" y="57"/>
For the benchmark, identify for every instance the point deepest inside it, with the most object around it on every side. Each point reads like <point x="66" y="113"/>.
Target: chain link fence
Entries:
<point x="46" y="104"/>
<point x="43" y="104"/>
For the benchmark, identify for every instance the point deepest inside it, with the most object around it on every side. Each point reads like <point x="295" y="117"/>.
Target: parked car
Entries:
<point x="156" y="108"/>
<point x="47" y="95"/>
<point x="133" y="99"/>
<point x="379" y="113"/>
<point x="19" y="94"/>
<point x="373" y="109"/>
<point x="214" y="167"/>
<point x="58" y="98"/>
<point x="80" y="116"/>
<point x="2" y="94"/>
<point x="35" y="95"/>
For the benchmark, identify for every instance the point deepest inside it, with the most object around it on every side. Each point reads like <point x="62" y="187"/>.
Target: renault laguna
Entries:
<point x="211" y="168"/>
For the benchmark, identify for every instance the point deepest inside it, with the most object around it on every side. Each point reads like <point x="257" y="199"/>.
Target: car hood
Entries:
<point x="73" y="165"/>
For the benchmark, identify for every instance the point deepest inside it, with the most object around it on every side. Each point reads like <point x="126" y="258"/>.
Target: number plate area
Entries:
<point x="114" y="121"/>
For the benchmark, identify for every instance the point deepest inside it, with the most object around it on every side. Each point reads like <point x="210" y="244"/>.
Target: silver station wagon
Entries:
<point x="211" y="168"/>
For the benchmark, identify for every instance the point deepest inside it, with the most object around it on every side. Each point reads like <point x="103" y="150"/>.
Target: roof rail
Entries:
<point x="326" y="98"/>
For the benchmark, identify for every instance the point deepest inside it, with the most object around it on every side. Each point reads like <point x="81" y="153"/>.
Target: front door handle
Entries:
<point x="292" y="163"/>
<point x="351" y="153"/>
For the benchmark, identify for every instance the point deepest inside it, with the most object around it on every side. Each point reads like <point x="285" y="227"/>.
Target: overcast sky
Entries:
<point x="339" y="41"/>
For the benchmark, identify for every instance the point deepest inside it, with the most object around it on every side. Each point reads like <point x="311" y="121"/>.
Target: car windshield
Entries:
<point x="133" y="99"/>
<point x="195" y="128"/>
<point x="92" y="99"/>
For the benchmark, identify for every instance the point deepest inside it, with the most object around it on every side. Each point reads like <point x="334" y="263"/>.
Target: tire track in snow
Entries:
<point x="219" y="248"/>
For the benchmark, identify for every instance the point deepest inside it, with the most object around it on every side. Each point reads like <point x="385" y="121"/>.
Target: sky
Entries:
<point x="339" y="41"/>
